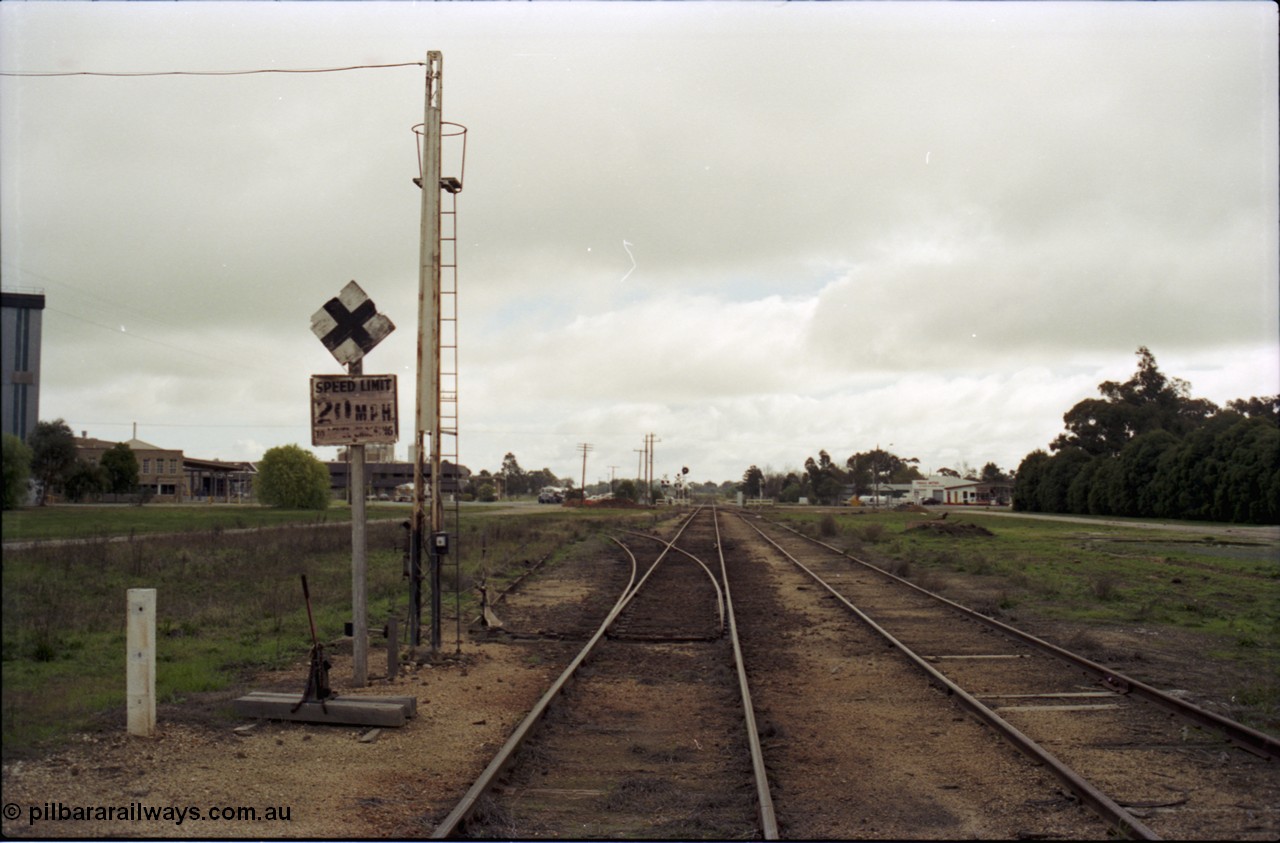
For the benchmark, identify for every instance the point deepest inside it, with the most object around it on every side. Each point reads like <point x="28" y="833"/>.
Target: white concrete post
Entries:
<point x="140" y="671"/>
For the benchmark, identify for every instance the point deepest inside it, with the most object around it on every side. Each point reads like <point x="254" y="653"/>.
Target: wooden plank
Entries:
<point x="407" y="703"/>
<point x="333" y="711"/>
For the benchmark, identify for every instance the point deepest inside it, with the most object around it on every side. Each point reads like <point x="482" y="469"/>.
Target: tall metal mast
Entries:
<point x="427" y="415"/>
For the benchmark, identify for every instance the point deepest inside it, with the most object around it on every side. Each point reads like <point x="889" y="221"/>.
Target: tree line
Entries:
<point x="50" y="457"/>
<point x="512" y="481"/>
<point x="825" y="481"/>
<point x="1146" y="448"/>
<point x="287" y="476"/>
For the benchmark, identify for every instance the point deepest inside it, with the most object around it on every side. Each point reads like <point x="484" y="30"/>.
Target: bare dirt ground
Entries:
<point x="860" y="745"/>
<point x="333" y="785"/>
<point x="1185" y="783"/>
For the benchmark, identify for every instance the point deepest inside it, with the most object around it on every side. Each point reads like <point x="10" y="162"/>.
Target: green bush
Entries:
<point x="17" y="471"/>
<point x="292" y="478"/>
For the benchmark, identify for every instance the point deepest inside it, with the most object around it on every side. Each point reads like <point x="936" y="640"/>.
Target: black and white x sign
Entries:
<point x="349" y="325"/>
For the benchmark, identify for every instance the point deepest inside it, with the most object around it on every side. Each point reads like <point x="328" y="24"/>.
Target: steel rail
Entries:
<point x="1245" y="737"/>
<point x="1102" y="804"/>
<point x="448" y="827"/>
<point x="720" y="599"/>
<point x="764" y="799"/>
<point x="661" y="556"/>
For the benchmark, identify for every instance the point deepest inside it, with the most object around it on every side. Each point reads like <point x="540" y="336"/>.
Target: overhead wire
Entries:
<point x="134" y="313"/>
<point x="121" y="331"/>
<point x="52" y="73"/>
<point x="139" y="74"/>
<point x="79" y="423"/>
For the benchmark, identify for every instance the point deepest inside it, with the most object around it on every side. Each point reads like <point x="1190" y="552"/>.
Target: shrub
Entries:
<point x="292" y="478"/>
<point x="873" y="533"/>
<point x="1104" y="584"/>
<point x="17" y="471"/>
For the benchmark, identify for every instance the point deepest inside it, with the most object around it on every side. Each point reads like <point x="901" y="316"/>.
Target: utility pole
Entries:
<point x="648" y="469"/>
<point x="612" y="469"/>
<point x="427" y="415"/>
<point x="649" y="440"/>
<point x="584" y="447"/>
<point x="644" y="472"/>
<point x="875" y="475"/>
<point x="639" y="471"/>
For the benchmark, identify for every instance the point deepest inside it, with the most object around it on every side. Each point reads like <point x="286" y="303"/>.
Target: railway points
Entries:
<point x="874" y="710"/>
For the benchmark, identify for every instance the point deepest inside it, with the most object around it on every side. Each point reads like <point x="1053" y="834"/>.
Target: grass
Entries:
<point x="229" y="603"/>
<point x="90" y="521"/>
<point x="1104" y="572"/>
<point x="1099" y="574"/>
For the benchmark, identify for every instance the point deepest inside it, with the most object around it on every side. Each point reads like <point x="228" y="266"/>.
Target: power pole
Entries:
<point x="639" y="471"/>
<point x="875" y="474"/>
<point x="644" y="472"/>
<point x="649" y="440"/>
<point x="584" y="447"/>
<point x="612" y="469"/>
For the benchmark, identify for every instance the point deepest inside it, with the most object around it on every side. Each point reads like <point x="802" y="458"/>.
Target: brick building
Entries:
<point x="160" y="470"/>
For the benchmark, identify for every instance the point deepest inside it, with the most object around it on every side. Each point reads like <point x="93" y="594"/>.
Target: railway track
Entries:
<point x="1147" y="764"/>
<point x="649" y="731"/>
<point x="748" y="681"/>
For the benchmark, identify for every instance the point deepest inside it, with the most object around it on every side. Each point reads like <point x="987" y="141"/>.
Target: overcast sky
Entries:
<point x="756" y="230"/>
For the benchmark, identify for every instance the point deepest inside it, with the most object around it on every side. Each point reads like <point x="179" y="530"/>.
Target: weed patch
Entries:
<point x="229" y="604"/>
<point x="872" y="533"/>
<point x="1103" y="584"/>
<point x="1099" y="574"/>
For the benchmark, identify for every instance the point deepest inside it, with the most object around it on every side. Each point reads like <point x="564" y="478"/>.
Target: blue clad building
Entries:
<point x="20" y="316"/>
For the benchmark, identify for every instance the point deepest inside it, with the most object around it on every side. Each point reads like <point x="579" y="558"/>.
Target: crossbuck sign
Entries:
<point x="350" y="325"/>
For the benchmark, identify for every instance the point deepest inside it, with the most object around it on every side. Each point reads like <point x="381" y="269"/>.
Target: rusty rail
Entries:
<point x="720" y="597"/>
<point x="764" y="800"/>
<point x="1103" y="805"/>
<point x="454" y="821"/>
<point x="1245" y="737"/>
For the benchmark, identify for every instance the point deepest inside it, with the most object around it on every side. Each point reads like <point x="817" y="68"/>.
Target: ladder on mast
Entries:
<point x="448" y="387"/>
